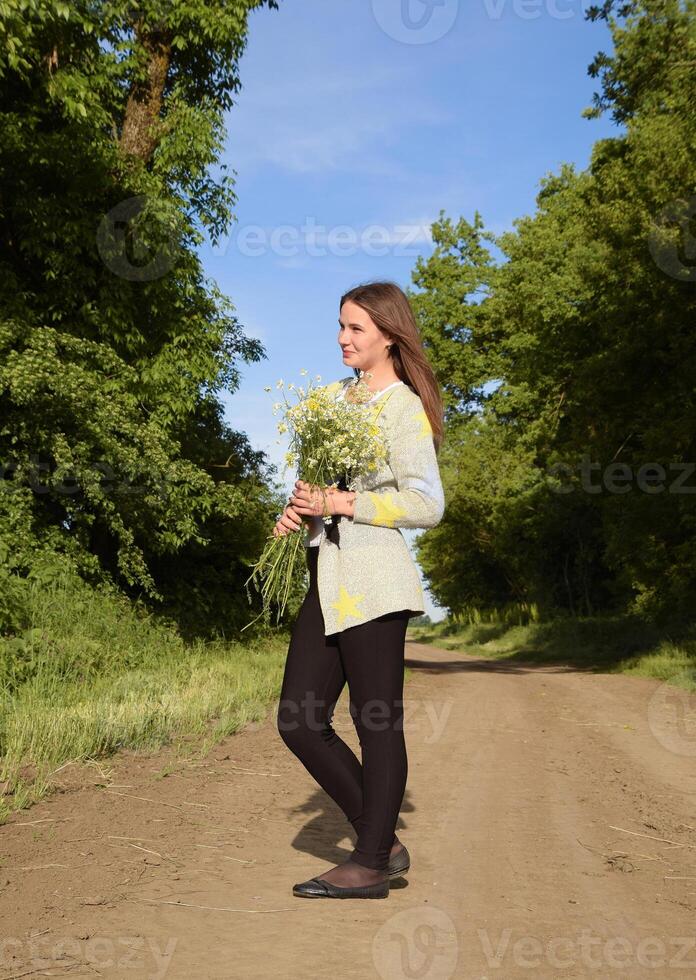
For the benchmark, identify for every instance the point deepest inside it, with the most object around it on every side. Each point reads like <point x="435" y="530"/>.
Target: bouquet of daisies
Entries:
<point x="332" y="441"/>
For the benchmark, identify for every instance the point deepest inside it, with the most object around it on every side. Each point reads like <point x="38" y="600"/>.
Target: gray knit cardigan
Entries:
<point x="364" y="566"/>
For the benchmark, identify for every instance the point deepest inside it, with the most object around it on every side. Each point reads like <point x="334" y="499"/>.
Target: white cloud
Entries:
<point x="330" y="122"/>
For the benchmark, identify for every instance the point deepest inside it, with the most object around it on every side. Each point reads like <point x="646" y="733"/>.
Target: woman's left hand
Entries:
<point x="308" y="499"/>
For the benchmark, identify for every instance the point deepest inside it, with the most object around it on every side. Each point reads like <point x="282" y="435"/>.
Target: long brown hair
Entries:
<point x="389" y="308"/>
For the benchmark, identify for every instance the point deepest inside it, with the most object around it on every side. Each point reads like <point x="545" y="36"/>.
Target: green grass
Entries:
<point x="612" y="644"/>
<point x="93" y="674"/>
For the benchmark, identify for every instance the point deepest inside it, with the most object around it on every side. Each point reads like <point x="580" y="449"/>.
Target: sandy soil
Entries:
<point x="550" y="815"/>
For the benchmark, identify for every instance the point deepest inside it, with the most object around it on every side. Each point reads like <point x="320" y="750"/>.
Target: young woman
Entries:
<point x="363" y="588"/>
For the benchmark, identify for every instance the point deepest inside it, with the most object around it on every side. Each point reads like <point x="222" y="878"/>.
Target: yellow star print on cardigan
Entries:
<point x="387" y="511"/>
<point x="347" y="605"/>
<point x="426" y="428"/>
<point x="418" y="500"/>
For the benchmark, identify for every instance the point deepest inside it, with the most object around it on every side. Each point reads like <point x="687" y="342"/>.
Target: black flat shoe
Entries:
<point x="318" y="888"/>
<point x="399" y="863"/>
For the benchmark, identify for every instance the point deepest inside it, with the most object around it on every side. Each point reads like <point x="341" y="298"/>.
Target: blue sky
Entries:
<point x="357" y="121"/>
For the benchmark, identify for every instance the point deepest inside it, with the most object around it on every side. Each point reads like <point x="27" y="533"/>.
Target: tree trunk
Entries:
<point x="571" y="604"/>
<point x="145" y="98"/>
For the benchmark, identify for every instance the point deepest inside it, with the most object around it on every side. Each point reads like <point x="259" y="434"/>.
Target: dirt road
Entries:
<point x="550" y="815"/>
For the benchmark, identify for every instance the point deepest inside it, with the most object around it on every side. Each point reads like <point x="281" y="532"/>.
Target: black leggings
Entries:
<point x="370" y="657"/>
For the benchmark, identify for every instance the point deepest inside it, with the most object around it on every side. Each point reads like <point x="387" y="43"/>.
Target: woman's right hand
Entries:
<point x="288" y="521"/>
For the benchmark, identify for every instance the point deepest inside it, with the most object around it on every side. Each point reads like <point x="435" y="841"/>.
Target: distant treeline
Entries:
<point x="569" y="364"/>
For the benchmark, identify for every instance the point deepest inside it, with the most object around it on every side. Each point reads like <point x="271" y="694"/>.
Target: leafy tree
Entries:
<point x="587" y="325"/>
<point x="115" y="346"/>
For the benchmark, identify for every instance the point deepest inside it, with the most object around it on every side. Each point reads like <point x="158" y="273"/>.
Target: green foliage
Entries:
<point x="586" y="325"/>
<point x="626" y="643"/>
<point x="453" y="326"/>
<point x="113" y="344"/>
<point x="96" y="672"/>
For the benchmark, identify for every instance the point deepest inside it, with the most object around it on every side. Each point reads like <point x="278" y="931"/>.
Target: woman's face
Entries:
<point x="363" y="344"/>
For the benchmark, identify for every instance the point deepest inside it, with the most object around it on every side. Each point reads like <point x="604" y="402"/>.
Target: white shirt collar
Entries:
<point x="377" y="394"/>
